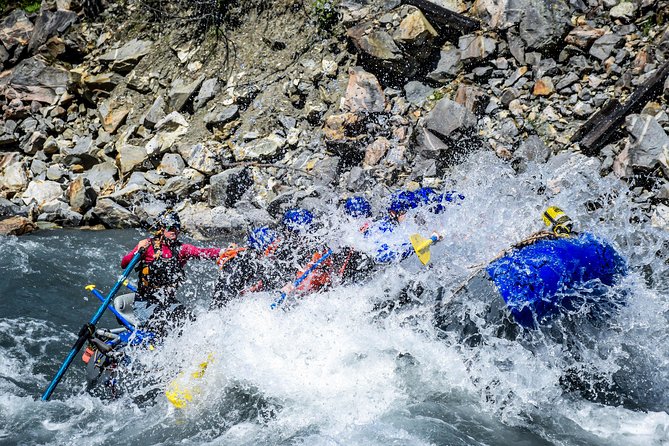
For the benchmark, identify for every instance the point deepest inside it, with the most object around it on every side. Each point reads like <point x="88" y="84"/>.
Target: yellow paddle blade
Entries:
<point x="184" y="387"/>
<point x="422" y="247"/>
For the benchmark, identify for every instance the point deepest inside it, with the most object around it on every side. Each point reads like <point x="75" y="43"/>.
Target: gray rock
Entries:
<point x="80" y="195"/>
<point x="604" y="46"/>
<point x="49" y="24"/>
<point x="155" y="113"/>
<point x="533" y="149"/>
<point x="220" y="117"/>
<point x="227" y="187"/>
<point x="102" y="177"/>
<point x="34" y="143"/>
<point x="181" y="92"/>
<point x="180" y="186"/>
<point x="130" y="158"/>
<point x="114" y="215"/>
<point x="378" y="44"/>
<point x="200" y="157"/>
<point x="9" y="209"/>
<point x="473" y="46"/>
<point x="15" y="30"/>
<point x="13" y="176"/>
<point x="449" y="65"/>
<point x="448" y="116"/>
<point x="208" y="90"/>
<point x="264" y="148"/>
<point x="650" y="142"/>
<point x="417" y="92"/>
<point x="363" y="93"/>
<point x="55" y="172"/>
<point x="124" y="59"/>
<point x="543" y="24"/>
<point x="38" y="80"/>
<point x="202" y="221"/>
<point x="38" y="167"/>
<point x="59" y="213"/>
<point x="623" y="10"/>
<point x="429" y="145"/>
<point x="569" y="79"/>
<point x="171" y="164"/>
<point x="40" y="192"/>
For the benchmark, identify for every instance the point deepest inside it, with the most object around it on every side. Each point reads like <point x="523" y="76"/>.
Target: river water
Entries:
<point x="331" y="370"/>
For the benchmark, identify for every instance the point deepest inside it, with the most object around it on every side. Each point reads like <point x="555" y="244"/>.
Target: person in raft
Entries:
<point x="154" y="306"/>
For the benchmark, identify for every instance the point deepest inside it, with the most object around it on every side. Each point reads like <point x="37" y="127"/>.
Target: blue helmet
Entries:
<point x="403" y="201"/>
<point x="358" y="207"/>
<point x="425" y="195"/>
<point x="438" y="201"/>
<point x="261" y="238"/>
<point x="297" y="219"/>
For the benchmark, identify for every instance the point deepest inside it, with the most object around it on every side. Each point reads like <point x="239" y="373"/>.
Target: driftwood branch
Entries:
<point x="597" y="130"/>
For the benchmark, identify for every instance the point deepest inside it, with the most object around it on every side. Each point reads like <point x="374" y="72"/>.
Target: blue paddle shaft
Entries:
<point x="300" y="279"/>
<point x="83" y="336"/>
<point x="120" y="317"/>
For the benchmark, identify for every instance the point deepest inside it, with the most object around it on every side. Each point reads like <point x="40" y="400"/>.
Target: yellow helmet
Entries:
<point x="559" y="223"/>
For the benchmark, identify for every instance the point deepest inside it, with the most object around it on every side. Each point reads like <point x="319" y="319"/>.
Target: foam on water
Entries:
<point x="331" y="369"/>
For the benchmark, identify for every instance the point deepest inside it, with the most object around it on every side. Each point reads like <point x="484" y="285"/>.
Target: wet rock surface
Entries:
<point x="109" y="123"/>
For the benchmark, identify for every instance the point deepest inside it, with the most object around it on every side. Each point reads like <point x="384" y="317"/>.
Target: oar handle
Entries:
<point x="300" y="279"/>
<point x="88" y="329"/>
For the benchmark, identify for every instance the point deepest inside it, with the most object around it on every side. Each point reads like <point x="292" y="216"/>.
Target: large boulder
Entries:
<point x="48" y="24"/>
<point x="15" y="31"/>
<point x="13" y="176"/>
<point x="201" y="157"/>
<point x="80" y="195"/>
<point x="201" y="221"/>
<point x="541" y="24"/>
<point x="33" y="80"/>
<point x="16" y="225"/>
<point x="648" y="146"/>
<point x="41" y="192"/>
<point x="102" y="177"/>
<point x="227" y="187"/>
<point x="114" y="215"/>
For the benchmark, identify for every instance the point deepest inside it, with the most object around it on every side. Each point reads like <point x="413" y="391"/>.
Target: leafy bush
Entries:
<point x="326" y="13"/>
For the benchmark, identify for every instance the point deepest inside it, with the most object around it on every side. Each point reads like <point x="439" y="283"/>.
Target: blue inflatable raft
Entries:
<point x="532" y="283"/>
<point x="551" y="275"/>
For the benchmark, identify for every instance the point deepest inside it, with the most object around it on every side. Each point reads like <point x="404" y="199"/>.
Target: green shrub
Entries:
<point x="31" y="6"/>
<point x="326" y="13"/>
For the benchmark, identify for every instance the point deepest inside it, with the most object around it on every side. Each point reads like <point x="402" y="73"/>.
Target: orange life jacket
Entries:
<point x="228" y="254"/>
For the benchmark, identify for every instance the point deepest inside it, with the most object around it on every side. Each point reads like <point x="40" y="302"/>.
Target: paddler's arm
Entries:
<point x="143" y="244"/>
<point x="190" y="251"/>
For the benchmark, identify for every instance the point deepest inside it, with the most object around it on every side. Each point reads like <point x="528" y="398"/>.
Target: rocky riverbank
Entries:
<point x="110" y="117"/>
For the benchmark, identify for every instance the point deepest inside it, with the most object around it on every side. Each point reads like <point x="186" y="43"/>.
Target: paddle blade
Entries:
<point x="185" y="387"/>
<point x="421" y="246"/>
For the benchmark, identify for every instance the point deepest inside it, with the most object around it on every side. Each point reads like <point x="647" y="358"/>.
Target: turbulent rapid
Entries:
<point x="341" y="367"/>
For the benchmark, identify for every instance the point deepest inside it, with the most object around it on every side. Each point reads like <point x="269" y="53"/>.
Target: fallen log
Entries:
<point x="441" y="17"/>
<point x="597" y="130"/>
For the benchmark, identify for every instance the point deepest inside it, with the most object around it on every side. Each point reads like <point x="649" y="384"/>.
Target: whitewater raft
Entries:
<point x="534" y="282"/>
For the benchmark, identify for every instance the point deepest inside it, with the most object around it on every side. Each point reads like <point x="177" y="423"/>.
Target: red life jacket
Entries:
<point x="319" y="277"/>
